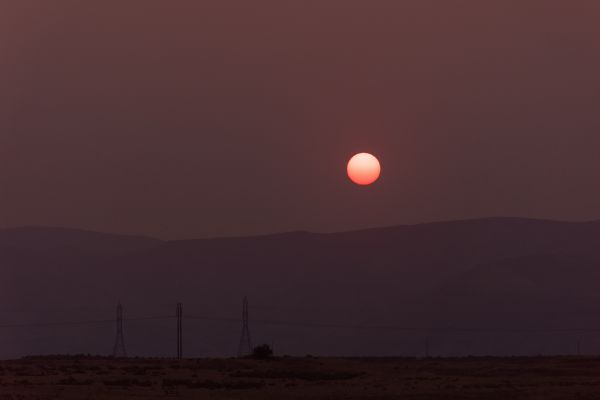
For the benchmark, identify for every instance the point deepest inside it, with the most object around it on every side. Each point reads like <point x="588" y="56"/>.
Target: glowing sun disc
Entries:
<point x="363" y="169"/>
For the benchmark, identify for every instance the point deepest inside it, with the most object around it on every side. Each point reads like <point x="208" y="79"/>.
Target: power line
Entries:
<point x="77" y="323"/>
<point x="398" y="327"/>
<point x="310" y="325"/>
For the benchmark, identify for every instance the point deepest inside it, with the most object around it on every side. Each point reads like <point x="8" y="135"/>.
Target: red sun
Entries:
<point x="364" y="169"/>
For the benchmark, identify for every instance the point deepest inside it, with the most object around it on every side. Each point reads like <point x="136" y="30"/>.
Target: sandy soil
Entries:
<point x="301" y="378"/>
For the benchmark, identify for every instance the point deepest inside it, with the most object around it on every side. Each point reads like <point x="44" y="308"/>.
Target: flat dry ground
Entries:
<point x="302" y="378"/>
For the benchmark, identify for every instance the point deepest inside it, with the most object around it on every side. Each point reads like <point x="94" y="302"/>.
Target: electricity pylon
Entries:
<point x="245" y="346"/>
<point x="179" y="331"/>
<point x="119" y="348"/>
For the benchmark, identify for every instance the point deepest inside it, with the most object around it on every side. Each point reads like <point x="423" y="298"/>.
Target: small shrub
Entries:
<point x="262" y="352"/>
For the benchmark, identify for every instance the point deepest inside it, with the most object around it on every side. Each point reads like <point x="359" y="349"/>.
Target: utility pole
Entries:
<point x="179" y="331"/>
<point x="245" y="346"/>
<point x="119" y="348"/>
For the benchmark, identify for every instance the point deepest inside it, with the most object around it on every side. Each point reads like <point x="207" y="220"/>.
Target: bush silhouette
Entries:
<point x="262" y="352"/>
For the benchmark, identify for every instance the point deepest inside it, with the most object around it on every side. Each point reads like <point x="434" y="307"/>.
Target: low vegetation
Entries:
<point x="549" y="378"/>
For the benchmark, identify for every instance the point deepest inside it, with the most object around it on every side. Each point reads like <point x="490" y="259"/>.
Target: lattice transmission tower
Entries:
<point x="245" y="346"/>
<point x="119" y="348"/>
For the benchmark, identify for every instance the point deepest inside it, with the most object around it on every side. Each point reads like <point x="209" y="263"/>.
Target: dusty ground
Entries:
<point x="301" y="378"/>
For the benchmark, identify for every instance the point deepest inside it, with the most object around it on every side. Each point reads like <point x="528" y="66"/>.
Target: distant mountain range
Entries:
<point x="497" y="286"/>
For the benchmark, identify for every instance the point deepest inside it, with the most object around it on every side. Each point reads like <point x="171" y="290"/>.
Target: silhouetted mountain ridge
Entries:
<point x="53" y="238"/>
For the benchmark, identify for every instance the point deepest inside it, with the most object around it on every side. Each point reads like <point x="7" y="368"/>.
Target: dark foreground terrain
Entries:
<point x="302" y="378"/>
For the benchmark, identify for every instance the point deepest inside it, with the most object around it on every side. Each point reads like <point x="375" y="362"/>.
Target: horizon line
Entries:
<point x="298" y="231"/>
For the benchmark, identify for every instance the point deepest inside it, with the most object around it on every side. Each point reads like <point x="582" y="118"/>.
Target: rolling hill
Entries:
<point x="502" y="286"/>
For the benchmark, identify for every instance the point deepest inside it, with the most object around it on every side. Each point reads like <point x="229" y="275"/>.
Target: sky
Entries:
<point x="181" y="119"/>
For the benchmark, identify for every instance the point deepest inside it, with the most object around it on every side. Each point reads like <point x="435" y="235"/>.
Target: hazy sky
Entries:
<point x="200" y="118"/>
